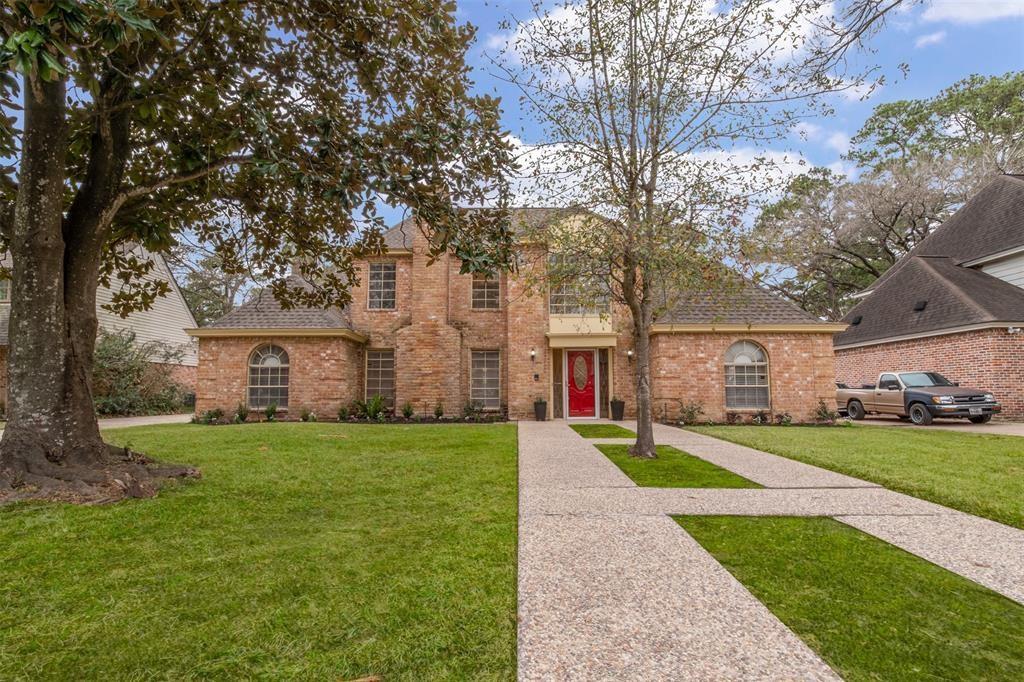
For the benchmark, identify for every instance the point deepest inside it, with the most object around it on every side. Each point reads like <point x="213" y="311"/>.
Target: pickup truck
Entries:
<point x="917" y="396"/>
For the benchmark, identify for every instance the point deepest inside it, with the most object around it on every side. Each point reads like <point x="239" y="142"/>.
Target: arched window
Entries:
<point x="268" y="377"/>
<point x="746" y="377"/>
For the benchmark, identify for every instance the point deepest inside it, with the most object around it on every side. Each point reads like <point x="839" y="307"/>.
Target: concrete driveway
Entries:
<point x="995" y="428"/>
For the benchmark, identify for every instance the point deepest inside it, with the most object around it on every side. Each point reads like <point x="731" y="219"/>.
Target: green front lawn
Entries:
<point x="312" y="551"/>
<point x="673" y="469"/>
<point x="975" y="473"/>
<point x="602" y="431"/>
<point x="871" y="610"/>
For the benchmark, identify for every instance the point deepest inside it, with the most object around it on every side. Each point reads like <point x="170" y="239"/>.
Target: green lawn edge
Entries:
<point x="871" y="610"/>
<point x="979" y="474"/>
<point x="307" y="551"/>
<point x="602" y="431"/>
<point x="673" y="468"/>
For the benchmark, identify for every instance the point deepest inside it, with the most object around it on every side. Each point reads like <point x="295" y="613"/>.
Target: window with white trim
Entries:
<point x="485" y="380"/>
<point x="380" y="375"/>
<point x="746" y="377"/>
<point x="5" y="291"/>
<point x="268" y="378"/>
<point x="486" y="292"/>
<point x="381" y="290"/>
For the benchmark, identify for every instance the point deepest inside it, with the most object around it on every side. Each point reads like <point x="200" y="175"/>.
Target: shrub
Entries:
<point x="241" y="413"/>
<point x="472" y="410"/>
<point x="270" y="412"/>
<point x="407" y="410"/>
<point x="307" y="415"/>
<point x="784" y="419"/>
<point x="733" y="418"/>
<point x="690" y="412"/>
<point x="210" y="417"/>
<point x="374" y="408"/>
<point x="343" y="413"/>
<point x="824" y="414"/>
<point x="130" y="378"/>
<point x="438" y="410"/>
<point x="761" y="418"/>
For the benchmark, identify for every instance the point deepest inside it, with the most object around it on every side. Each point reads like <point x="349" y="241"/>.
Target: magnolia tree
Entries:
<point x="272" y="130"/>
<point x="654" y="115"/>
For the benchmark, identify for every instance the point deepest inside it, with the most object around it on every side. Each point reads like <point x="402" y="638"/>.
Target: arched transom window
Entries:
<point x="746" y="377"/>
<point x="268" y="377"/>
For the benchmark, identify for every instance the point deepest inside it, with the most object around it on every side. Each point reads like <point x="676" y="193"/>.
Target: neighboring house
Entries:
<point x="165" y="323"/>
<point x="428" y="335"/>
<point x="955" y="304"/>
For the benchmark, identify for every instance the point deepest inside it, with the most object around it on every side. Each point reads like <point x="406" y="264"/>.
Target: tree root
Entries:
<point x="111" y="476"/>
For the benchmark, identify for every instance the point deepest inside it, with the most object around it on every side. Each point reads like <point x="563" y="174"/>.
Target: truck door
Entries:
<point x="888" y="395"/>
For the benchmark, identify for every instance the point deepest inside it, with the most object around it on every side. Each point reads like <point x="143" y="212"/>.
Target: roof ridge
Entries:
<point x="952" y="286"/>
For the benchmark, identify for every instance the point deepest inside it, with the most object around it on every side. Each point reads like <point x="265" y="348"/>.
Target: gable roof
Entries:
<point x="991" y="222"/>
<point x="749" y="304"/>
<point x="263" y="311"/>
<point x="524" y="219"/>
<point x="954" y="296"/>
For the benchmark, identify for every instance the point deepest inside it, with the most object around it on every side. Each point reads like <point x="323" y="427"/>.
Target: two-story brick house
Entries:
<point x="426" y="334"/>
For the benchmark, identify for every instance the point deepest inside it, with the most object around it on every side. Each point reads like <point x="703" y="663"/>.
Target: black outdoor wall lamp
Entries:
<point x="629" y="355"/>
<point x="533" y="355"/>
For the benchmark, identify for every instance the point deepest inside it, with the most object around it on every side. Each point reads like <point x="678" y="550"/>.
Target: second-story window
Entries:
<point x="575" y="293"/>
<point x="486" y="292"/>
<point x="382" y="286"/>
<point x="5" y="290"/>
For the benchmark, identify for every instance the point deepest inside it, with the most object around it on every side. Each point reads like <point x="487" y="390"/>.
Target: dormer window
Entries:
<point x="382" y="286"/>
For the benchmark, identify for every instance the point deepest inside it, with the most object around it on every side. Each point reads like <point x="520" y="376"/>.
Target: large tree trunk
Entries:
<point x="51" y="447"/>
<point x="644" y="446"/>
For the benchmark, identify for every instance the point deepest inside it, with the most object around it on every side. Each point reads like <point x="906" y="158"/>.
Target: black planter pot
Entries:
<point x="618" y="407"/>
<point x="540" y="410"/>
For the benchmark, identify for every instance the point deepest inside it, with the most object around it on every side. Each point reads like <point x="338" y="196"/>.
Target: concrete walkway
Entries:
<point x="996" y="428"/>
<point x="152" y="420"/>
<point x="610" y="587"/>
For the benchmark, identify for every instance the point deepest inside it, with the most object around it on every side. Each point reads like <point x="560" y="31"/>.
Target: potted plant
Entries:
<point x="618" y="407"/>
<point x="540" y="409"/>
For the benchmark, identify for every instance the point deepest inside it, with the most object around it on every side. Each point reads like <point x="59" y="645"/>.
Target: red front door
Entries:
<point x="580" y="377"/>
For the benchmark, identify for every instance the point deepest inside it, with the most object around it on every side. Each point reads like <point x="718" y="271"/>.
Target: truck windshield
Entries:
<point x="922" y="379"/>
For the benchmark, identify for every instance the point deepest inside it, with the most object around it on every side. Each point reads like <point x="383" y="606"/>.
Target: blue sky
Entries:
<point x="942" y="41"/>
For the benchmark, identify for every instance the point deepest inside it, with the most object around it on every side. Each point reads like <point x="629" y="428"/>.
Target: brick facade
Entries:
<point x="434" y="330"/>
<point x="987" y="359"/>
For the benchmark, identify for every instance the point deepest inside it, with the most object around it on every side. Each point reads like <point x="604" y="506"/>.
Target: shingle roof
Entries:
<point x="992" y="221"/>
<point x="263" y="311"/>
<point x="524" y="219"/>
<point x="954" y="296"/>
<point x="746" y="304"/>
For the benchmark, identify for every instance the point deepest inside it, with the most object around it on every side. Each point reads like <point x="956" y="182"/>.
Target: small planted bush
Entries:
<point x="307" y="415"/>
<point x="825" y="414"/>
<point x="343" y="413"/>
<point x="210" y="417"/>
<point x="270" y="412"/>
<point x="407" y="410"/>
<point x="690" y="412"/>
<point x="241" y="413"/>
<point x="438" y="410"/>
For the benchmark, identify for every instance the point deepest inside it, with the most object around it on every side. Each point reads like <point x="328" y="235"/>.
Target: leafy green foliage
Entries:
<point x="132" y="378"/>
<point x="268" y="130"/>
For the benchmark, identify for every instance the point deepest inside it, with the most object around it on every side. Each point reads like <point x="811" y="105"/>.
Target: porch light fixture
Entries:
<point x="533" y="355"/>
<point x="629" y="354"/>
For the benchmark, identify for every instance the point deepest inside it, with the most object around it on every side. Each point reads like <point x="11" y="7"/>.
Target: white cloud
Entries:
<point x="858" y="91"/>
<point x="930" y="39"/>
<point x="806" y="130"/>
<point x="973" y="11"/>
<point x="838" y="141"/>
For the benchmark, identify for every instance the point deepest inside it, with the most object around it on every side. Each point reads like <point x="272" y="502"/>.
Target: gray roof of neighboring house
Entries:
<point x="991" y="222"/>
<point x="747" y="304"/>
<point x="956" y="296"/>
<point x="263" y="311"/>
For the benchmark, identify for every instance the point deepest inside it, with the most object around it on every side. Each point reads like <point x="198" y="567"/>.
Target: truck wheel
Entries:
<point x="920" y="415"/>
<point x="855" y="410"/>
<point x="983" y="419"/>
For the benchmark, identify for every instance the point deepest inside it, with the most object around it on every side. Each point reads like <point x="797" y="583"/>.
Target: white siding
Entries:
<point x="165" y="322"/>
<point x="1009" y="269"/>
